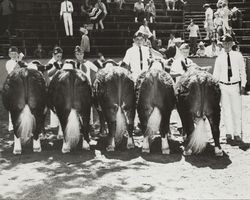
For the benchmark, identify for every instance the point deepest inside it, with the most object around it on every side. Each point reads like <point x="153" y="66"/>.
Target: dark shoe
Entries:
<point x="237" y="138"/>
<point x="228" y="136"/>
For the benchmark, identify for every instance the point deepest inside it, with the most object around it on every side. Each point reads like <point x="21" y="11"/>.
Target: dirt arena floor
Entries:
<point x="125" y="174"/>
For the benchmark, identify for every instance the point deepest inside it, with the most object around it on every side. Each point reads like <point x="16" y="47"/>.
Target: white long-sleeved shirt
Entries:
<point x="66" y="7"/>
<point x="237" y="64"/>
<point x="10" y="65"/>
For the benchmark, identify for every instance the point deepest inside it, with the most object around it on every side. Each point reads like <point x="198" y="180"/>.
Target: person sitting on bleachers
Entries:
<point x="218" y="22"/>
<point x="101" y="6"/>
<point x="39" y="51"/>
<point x="171" y="40"/>
<point x="150" y="11"/>
<point x="236" y="18"/>
<point x="139" y="10"/>
<point x="212" y="50"/>
<point x="168" y="3"/>
<point x="201" y="50"/>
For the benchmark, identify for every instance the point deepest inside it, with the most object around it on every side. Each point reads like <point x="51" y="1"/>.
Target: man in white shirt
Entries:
<point x="230" y="70"/>
<point x="66" y="12"/>
<point x="193" y="35"/>
<point x="137" y="57"/>
<point x="209" y="13"/>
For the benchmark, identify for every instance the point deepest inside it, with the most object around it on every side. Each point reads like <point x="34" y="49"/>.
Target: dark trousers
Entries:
<point x="193" y="45"/>
<point x="140" y="15"/>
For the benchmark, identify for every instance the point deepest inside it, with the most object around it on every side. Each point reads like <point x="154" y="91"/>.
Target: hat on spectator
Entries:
<point x="219" y="43"/>
<point x="138" y="34"/>
<point x="201" y="43"/>
<point x="83" y="30"/>
<point x="57" y="50"/>
<point x="13" y="49"/>
<point x="176" y="40"/>
<point x="184" y="46"/>
<point x="206" y="5"/>
<point x="78" y="49"/>
<point x="227" y="38"/>
<point x="234" y="9"/>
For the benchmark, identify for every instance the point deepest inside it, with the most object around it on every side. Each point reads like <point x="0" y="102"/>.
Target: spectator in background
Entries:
<point x="218" y="22"/>
<point x="144" y="29"/>
<point x="168" y="2"/>
<point x="103" y="8"/>
<point x="6" y="11"/>
<point x="150" y="11"/>
<point x="225" y="12"/>
<point x="201" y="50"/>
<point x="85" y="44"/>
<point x="171" y="40"/>
<point x="236" y="18"/>
<point x="84" y="10"/>
<point x="208" y="24"/>
<point x="220" y="2"/>
<point x="95" y="16"/>
<point x="212" y="50"/>
<point x="139" y="10"/>
<point x="66" y="12"/>
<point x="39" y="51"/>
<point x="179" y="4"/>
<point x="120" y="3"/>
<point x="193" y="36"/>
<point x="99" y="61"/>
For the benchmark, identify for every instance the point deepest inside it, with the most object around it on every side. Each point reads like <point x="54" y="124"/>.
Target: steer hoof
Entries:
<point x="165" y="151"/>
<point x="85" y="145"/>
<point x="37" y="146"/>
<point x="130" y="143"/>
<point x="65" y="148"/>
<point x="144" y="150"/>
<point x="187" y="152"/>
<point x="110" y="148"/>
<point x="218" y="151"/>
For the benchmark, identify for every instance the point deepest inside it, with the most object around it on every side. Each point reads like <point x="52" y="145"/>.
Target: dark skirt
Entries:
<point x="96" y="15"/>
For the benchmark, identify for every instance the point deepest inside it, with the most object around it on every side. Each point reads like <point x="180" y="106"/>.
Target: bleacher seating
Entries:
<point x="38" y="21"/>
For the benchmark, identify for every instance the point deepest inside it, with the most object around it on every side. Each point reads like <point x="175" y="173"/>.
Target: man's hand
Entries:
<point x="243" y="91"/>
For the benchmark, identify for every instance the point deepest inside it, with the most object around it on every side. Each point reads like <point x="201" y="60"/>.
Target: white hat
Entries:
<point x="234" y="9"/>
<point x="83" y="30"/>
<point x="201" y="43"/>
<point x="178" y="40"/>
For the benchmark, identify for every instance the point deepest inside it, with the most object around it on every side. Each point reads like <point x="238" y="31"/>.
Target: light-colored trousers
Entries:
<point x="68" y="24"/>
<point x="231" y="108"/>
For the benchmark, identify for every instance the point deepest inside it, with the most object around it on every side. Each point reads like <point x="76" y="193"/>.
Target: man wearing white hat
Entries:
<point x="230" y="70"/>
<point x="66" y="12"/>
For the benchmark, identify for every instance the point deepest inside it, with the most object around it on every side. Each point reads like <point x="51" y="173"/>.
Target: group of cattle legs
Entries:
<point x="116" y="98"/>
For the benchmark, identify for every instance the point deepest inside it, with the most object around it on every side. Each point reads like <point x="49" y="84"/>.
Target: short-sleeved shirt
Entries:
<point x="193" y="30"/>
<point x="138" y="6"/>
<point x="10" y="65"/>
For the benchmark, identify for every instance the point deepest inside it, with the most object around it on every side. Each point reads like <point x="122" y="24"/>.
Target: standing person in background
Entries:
<point x="150" y="11"/>
<point x="218" y="23"/>
<point x="139" y="10"/>
<point x="230" y="70"/>
<point x="168" y="2"/>
<point x="225" y="12"/>
<point x="66" y="12"/>
<point x="103" y="8"/>
<point x="6" y="11"/>
<point x="193" y="36"/>
<point x="10" y="66"/>
<point x="208" y="24"/>
<point x="85" y="44"/>
<point x="171" y="40"/>
<point x="201" y="50"/>
<point x="236" y="18"/>
<point x="39" y="51"/>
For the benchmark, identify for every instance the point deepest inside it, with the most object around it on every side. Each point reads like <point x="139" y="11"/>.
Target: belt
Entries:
<point x="230" y="83"/>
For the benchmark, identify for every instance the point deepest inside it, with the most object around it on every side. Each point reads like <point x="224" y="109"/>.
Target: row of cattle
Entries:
<point x="117" y="98"/>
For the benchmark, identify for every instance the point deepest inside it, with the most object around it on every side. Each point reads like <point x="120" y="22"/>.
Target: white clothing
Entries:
<point x="132" y="59"/>
<point x="230" y="94"/>
<point x="89" y="66"/>
<point x="209" y="51"/>
<point x="209" y="14"/>
<point x="193" y="30"/>
<point x="66" y="10"/>
<point x="10" y="65"/>
<point x="171" y="42"/>
<point x="145" y="30"/>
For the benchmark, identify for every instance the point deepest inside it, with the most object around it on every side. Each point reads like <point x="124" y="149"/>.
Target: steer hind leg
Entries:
<point x="164" y="130"/>
<point x="85" y="128"/>
<point x="130" y="127"/>
<point x="111" y="136"/>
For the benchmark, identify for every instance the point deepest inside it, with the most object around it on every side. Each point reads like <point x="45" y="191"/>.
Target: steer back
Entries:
<point x="24" y="96"/>
<point x="69" y="95"/>
<point x="115" y="97"/>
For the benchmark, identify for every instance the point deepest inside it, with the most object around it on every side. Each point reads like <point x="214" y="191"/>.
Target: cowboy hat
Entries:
<point x="178" y="40"/>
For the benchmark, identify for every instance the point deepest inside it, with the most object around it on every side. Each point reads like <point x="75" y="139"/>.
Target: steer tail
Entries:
<point x="26" y="125"/>
<point x="72" y="130"/>
<point x="120" y="125"/>
<point x="153" y="125"/>
<point x="198" y="139"/>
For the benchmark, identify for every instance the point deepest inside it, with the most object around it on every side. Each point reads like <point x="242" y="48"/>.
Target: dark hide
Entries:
<point x="70" y="89"/>
<point x="22" y="87"/>
<point x="114" y="88"/>
<point x="154" y="89"/>
<point x="198" y="96"/>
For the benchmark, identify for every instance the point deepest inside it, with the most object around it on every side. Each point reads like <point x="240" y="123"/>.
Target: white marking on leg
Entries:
<point x="37" y="145"/>
<point x="218" y="151"/>
<point x="145" y="145"/>
<point x="17" y="146"/>
<point x="60" y="132"/>
<point x="85" y="145"/>
<point x="187" y="152"/>
<point x="130" y="143"/>
<point x="165" y="146"/>
<point x="111" y="147"/>
<point x="65" y="147"/>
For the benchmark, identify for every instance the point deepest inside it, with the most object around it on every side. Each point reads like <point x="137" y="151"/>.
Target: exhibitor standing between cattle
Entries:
<point x="230" y="70"/>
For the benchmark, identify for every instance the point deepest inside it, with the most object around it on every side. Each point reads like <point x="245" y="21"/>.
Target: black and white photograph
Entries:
<point x="124" y="99"/>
